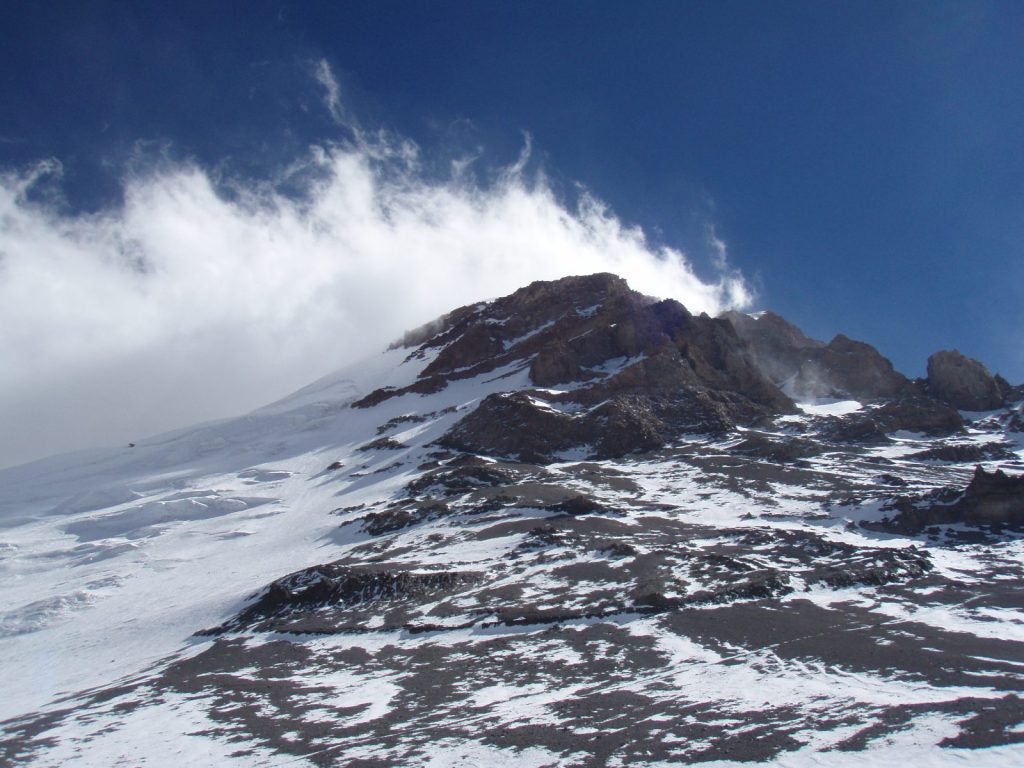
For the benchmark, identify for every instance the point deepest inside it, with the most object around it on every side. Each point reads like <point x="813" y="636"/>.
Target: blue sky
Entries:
<point x="860" y="162"/>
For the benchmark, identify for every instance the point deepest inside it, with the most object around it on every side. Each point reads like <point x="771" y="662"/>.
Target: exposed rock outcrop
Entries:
<point x="851" y="369"/>
<point x="779" y="348"/>
<point x="521" y="426"/>
<point x="618" y="372"/>
<point x="808" y="368"/>
<point x="994" y="497"/>
<point x="566" y="328"/>
<point x="634" y="372"/>
<point x="970" y="452"/>
<point x="991" y="498"/>
<point x="405" y="514"/>
<point x="965" y="383"/>
<point x="303" y="601"/>
<point x="511" y="424"/>
<point x="780" y="448"/>
<point x="912" y="413"/>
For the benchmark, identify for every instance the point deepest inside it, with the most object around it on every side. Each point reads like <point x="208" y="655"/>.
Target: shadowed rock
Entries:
<point x="287" y="603"/>
<point x="519" y="425"/>
<point x="808" y="368"/>
<point x="779" y="347"/>
<point x="994" y="497"/>
<point x="912" y="413"/>
<point x="776" y="447"/>
<point x="964" y="383"/>
<point x="637" y="374"/>
<point x="991" y="498"/>
<point x="403" y="515"/>
<point x="964" y="453"/>
<point x="852" y="369"/>
<point x="595" y="331"/>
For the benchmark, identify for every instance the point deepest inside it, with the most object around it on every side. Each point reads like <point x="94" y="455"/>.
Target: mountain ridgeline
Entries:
<point x="615" y="372"/>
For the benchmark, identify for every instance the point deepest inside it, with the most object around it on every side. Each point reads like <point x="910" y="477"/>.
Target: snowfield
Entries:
<point x="701" y="604"/>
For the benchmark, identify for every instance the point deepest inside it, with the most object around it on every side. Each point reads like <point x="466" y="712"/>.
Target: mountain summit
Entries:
<point x="572" y="526"/>
<point x="612" y="371"/>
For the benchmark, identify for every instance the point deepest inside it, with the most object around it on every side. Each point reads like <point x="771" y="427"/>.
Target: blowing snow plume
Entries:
<point x="200" y="297"/>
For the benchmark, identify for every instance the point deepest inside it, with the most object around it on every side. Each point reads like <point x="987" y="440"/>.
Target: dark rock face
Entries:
<point x="1010" y="393"/>
<point x="635" y="374"/>
<point x="783" y="449"/>
<point x="994" y="497"/>
<point x="965" y="383"/>
<point x="642" y="371"/>
<point x="964" y="453"/>
<point x="1016" y="422"/>
<point x="627" y="424"/>
<point x="912" y="413"/>
<point x="807" y="367"/>
<point x="916" y="413"/>
<point x="463" y="476"/>
<point x="513" y="424"/>
<point x="403" y="515"/>
<point x="286" y="603"/>
<point x="524" y="426"/>
<point x="991" y="498"/>
<point x="779" y="348"/>
<point x="852" y="369"/>
<point x="510" y="424"/>
<point x="580" y="505"/>
<point x="382" y="444"/>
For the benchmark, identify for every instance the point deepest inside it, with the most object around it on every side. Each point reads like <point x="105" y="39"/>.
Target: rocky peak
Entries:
<point x="594" y="343"/>
<point x="611" y="371"/>
<point x="808" y="368"/>
<point x="855" y="369"/>
<point x="588" y="329"/>
<point x="965" y="383"/>
<point x="779" y="348"/>
<point x="486" y="336"/>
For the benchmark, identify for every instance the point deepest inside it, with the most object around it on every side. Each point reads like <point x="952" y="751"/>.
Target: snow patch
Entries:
<point x="830" y="407"/>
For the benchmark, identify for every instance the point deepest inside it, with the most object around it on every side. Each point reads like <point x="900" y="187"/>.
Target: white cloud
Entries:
<point x="332" y="92"/>
<point x="187" y="303"/>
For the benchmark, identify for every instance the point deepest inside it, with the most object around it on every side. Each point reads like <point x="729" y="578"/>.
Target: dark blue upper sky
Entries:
<point x="861" y="160"/>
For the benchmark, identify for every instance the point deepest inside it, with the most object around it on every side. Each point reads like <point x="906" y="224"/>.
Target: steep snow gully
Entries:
<point x="574" y="526"/>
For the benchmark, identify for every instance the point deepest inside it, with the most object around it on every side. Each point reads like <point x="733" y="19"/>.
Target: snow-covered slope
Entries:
<point x="134" y="549"/>
<point x="570" y="527"/>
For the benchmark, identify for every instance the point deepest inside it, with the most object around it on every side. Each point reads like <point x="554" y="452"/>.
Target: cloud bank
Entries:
<point x="201" y="297"/>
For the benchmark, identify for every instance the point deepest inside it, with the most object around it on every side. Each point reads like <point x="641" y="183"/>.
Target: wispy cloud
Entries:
<point x="199" y="298"/>
<point x="332" y="91"/>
